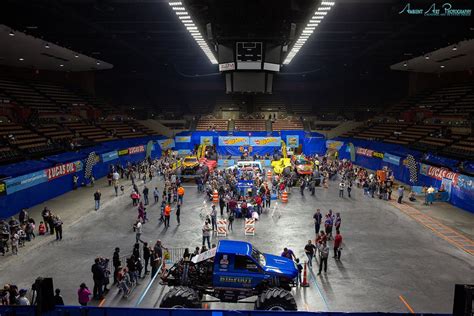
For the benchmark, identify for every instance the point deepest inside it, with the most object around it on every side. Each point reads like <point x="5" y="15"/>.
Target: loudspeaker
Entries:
<point x="44" y="294"/>
<point x="209" y="31"/>
<point x="269" y="87"/>
<point x="463" y="300"/>
<point x="228" y="83"/>
<point x="292" y="31"/>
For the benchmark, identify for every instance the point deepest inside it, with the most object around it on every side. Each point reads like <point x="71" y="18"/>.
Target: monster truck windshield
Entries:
<point x="259" y="257"/>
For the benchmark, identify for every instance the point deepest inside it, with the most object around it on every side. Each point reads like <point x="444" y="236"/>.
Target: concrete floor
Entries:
<point x="386" y="253"/>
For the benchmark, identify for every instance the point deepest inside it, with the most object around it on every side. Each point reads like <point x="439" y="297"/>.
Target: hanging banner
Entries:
<point x="136" y="150"/>
<point x="25" y="181"/>
<point x="166" y="143"/>
<point x="334" y="144"/>
<point x="395" y="160"/>
<point x="265" y="141"/>
<point x="439" y="173"/>
<point x="233" y="141"/>
<point x="292" y="141"/>
<point x="207" y="140"/>
<point x="364" y="152"/>
<point x="182" y="139"/>
<point x="376" y="154"/>
<point x="3" y="188"/>
<point x="149" y="148"/>
<point x="63" y="169"/>
<point x="184" y="152"/>
<point x="111" y="155"/>
<point x="122" y="152"/>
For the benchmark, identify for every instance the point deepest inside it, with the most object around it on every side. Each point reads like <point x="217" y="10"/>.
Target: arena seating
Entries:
<point x="206" y="124"/>
<point x="283" y="124"/>
<point x="250" y="125"/>
<point x="59" y="94"/>
<point x="271" y="103"/>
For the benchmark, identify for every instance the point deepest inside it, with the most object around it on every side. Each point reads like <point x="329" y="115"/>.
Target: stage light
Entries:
<point x="455" y="48"/>
<point x="21" y="59"/>
<point x="98" y="63"/>
<point x="187" y="21"/>
<point x="405" y="64"/>
<point x="77" y="56"/>
<point x="61" y="65"/>
<point x="46" y="46"/>
<point x="427" y="57"/>
<point x="11" y="33"/>
<point x="309" y="29"/>
<point x="442" y="66"/>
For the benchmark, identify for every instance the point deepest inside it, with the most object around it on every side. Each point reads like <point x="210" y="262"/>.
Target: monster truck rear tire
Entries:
<point x="276" y="299"/>
<point x="181" y="297"/>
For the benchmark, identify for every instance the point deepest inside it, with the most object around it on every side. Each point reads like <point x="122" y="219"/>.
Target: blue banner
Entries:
<point x="395" y="160"/>
<point x="184" y="152"/>
<point x="292" y="141"/>
<point x="109" y="156"/>
<point x="182" y="139"/>
<point x="225" y="162"/>
<point x="265" y="141"/>
<point x="207" y="140"/>
<point x="233" y="141"/>
<point x="25" y="181"/>
<point x="166" y="143"/>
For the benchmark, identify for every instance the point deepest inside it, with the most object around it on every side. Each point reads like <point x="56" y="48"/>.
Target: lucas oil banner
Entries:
<point x="233" y="141"/>
<point x="166" y="143"/>
<point x="292" y="141"/>
<point x="207" y="140"/>
<point x="265" y="141"/>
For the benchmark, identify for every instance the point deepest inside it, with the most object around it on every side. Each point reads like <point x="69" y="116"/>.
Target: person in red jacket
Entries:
<point x="337" y="245"/>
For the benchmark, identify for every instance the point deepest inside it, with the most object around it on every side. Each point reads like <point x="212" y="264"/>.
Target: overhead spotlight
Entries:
<point x="427" y="57"/>
<point x="46" y="46"/>
<point x="442" y="66"/>
<point x="331" y="3"/>
<point x="98" y="63"/>
<point x="76" y="56"/>
<point x="175" y="3"/>
<point x="61" y="65"/>
<point x="11" y="33"/>
<point x="405" y="64"/>
<point x="21" y="59"/>
<point x="455" y="47"/>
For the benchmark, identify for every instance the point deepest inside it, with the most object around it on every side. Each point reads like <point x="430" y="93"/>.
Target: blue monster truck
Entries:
<point x="233" y="271"/>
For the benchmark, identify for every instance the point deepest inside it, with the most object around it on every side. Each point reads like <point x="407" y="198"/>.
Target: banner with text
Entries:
<point x="25" y="181"/>
<point x="136" y="150"/>
<point x="166" y="143"/>
<point x="439" y="173"/>
<point x="182" y="139"/>
<point x="207" y="140"/>
<point x="111" y="155"/>
<point x="265" y="141"/>
<point x="395" y="160"/>
<point x="292" y="141"/>
<point x="63" y="169"/>
<point x="233" y="141"/>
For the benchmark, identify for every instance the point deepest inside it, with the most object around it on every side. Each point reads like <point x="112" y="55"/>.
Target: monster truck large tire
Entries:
<point x="276" y="299"/>
<point x="181" y="297"/>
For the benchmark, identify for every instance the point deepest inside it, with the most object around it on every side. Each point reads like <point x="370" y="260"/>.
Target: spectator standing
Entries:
<point x="22" y="299"/>
<point x="206" y="234"/>
<point x="116" y="263"/>
<point x="323" y="257"/>
<point x="58" y="299"/>
<point x="145" y="194"/>
<point x="337" y="245"/>
<point x="342" y="186"/>
<point x="138" y="230"/>
<point x="178" y="213"/>
<point x="318" y="217"/>
<point x="156" y="195"/>
<point x="338" y="221"/>
<point x="98" y="275"/>
<point x="400" y="191"/>
<point x="97" y="196"/>
<point x="288" y="253"/>
<point x="58" y="227"/>
<point x="83" y="294"/>
<point x="167" y="213"/>
<point x="349" y="189"/>
<point x="146" y="256"/>
<point x="180" y="194"/>
<point x="74" y="182"/>
<point x="214" y="218"/>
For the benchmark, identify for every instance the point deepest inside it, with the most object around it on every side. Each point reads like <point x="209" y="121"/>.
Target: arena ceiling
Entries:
<point x="358" y="37"/>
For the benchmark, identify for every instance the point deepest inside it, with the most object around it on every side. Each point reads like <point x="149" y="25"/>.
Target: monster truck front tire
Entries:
<point x="276" y="299"/>
<point x="181" y="297"/>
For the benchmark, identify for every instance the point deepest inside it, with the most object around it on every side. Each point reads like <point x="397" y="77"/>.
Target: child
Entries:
<point x="41" y="229"/>
<point x="299" y="266"/>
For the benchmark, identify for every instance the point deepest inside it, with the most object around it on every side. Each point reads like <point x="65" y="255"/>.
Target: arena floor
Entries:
<point x="391" y="261"/>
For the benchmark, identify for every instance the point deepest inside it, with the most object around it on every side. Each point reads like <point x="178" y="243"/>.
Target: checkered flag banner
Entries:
<point x="412" y="167"/>
<point x="91" y="161"/>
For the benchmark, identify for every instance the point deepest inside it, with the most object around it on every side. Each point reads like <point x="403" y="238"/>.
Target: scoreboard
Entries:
<point x="249" y="52"/>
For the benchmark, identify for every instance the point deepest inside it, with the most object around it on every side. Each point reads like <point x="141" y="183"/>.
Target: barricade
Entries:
<point x="284" y="197"/>
<point x="215" y="197"/>
<point x="221" y="227"/>
<point x="249" y="227"/>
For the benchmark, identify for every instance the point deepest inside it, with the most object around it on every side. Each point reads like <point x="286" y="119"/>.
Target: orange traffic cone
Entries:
<point x="215" y="197"/>
<point x="305" y="276"/>
<point x="284" y="197"/>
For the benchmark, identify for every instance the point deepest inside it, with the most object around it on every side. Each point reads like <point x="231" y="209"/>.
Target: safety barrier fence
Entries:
<point x="113" y="311"/>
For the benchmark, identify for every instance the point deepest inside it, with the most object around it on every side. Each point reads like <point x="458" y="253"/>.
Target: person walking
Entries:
<point x="231" y="220"/>
<point x="180" y="192"/>
<point x="337" y="245"/>
<point x="116" y="187"/>
<point x="400" y="191"/>
<point x="349" y="189"/>
<point x="167" y="213"/>
<point x="338" y="221"/>
<point x="317" y="217"/>
<point x="310" y="249"/>
<point x="98" y="275"/>
<point x="156" y="195"/>
<point x="97" y="196"/>
<point x="342" y="186"/>
<point x="178" y="213"/>
<point x="83" y="295"/>
<point x="323" y="257"/>
<point x="222" y="204"/>
<point x="116" y="263"/>
<point x="302" y="186"/>
<point x="145" y="194"/>
<point x="206" y="233"/>
<point x="138" y="230"/>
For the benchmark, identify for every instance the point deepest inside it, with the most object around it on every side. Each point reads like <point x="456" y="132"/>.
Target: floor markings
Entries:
<point x="406" y="304"/>
<point x="442" y="231"/>
<point x="315" y="281"/>
<point x="101" y="303"/>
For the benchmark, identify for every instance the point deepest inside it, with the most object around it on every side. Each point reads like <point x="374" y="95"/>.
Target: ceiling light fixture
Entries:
<point x="77" y="56"/>
<point x="21" y="59"/>
<point x="319" y="14"/>
<point x="46" y="46"/>
<point x="405" y="64"/>
<point x="11" y="33"/>
<point x="61" y="65"/>
<point x="187" y="21"/>
<point x="427" y="57"/>
<point x="442" y="66"/>
<point x="98" y="63"/>
<point x="455" y="48"/>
